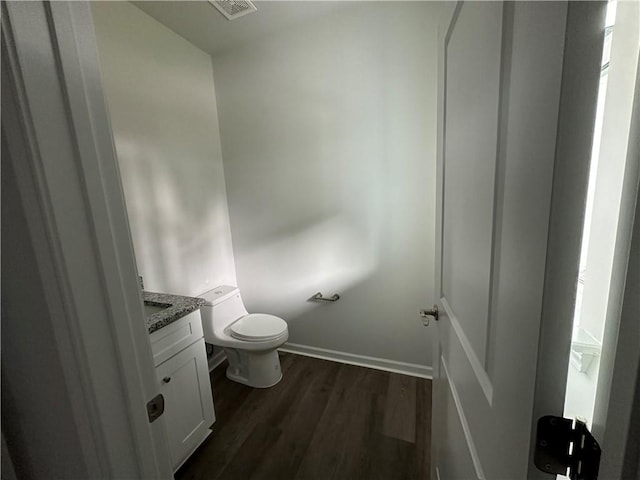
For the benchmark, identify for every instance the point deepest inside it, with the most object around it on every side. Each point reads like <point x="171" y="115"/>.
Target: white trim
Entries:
<point x="74" y="204"/>
<point x="616" y="397"/>
<point x="22" y="142"/>
<point x="216" y="360"/>
<point x="463" y="421"/>
<point x="437" y="473"/>
<point x="104" y="199"/>
<point x="481" y="374"/>
<point x="403" y="368"/>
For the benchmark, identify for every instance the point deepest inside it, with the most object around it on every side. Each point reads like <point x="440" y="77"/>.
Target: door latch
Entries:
<point x="425" y="314"/>
<point x="155" y="407"/>
<point x="566" y="447"/>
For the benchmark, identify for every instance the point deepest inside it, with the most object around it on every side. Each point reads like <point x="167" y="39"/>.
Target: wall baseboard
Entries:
<point x="403" y="368"/>
<point x="216" y="360"/>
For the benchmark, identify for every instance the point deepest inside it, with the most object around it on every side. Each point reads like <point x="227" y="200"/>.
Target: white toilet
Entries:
<point x="250" y="340"/>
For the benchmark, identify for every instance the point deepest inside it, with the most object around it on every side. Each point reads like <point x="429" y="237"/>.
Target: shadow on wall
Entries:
<point x="331" y="255"/>
<point x="380" y="291"/>
<point x="161" y="100"/>
<point x="174" y="233"/>
<point x="328" y="137"/>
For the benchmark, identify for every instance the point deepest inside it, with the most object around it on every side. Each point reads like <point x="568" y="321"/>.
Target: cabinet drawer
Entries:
<point x="171" y="339"/>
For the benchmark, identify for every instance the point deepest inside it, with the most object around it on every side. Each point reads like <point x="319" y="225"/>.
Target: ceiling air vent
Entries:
<point x="233" y="9"/>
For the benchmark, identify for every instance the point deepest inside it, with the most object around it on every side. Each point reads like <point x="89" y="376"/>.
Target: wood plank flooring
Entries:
<point x="323" y="421"/>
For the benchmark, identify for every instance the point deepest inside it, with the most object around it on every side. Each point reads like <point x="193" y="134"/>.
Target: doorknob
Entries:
<point x="425" y="314"/>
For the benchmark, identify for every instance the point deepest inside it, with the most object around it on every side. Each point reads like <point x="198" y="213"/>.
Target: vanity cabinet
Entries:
<point x="183" y="375"/>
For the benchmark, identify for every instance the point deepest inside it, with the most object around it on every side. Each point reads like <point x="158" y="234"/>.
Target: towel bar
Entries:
<point x="318" y="297"/>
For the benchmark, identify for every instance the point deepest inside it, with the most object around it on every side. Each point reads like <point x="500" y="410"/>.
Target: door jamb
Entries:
<point x="584" y="25"/>
<point x="95" y="307"/>
<point x="578" y="98"/>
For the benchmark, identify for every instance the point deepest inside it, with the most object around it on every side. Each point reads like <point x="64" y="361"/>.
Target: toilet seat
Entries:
<point x="258" y="327"/>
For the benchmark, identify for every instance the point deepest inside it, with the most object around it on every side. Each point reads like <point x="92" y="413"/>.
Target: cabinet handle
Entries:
<point x="166" y="379"/>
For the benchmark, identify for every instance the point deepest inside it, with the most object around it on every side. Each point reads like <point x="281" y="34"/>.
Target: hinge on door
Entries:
<point x="566" y="447"/>
<point x="155" y="407"/>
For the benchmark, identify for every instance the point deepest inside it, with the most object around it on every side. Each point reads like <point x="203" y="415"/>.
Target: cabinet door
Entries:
<point x="188" y="403"/>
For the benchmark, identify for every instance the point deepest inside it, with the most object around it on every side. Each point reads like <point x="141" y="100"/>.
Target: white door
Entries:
<point x="504" y="104"/>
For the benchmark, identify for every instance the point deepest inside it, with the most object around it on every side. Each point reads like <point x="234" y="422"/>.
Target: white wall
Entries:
<point x="328" y="137"/>
<point x="160" y="93"/>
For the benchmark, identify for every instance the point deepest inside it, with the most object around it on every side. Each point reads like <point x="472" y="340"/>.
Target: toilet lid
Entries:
<point x="258" y="326"/>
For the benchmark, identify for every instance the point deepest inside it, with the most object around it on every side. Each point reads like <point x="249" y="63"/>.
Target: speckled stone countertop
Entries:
<point x="180" y="306"/>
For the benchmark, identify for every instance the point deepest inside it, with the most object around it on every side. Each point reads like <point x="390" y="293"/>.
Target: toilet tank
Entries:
<point x="224" y="306"/>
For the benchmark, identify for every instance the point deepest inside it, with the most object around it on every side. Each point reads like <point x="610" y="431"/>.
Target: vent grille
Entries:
<point x="233" y="9"/>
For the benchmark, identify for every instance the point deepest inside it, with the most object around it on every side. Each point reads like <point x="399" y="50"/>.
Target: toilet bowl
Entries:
<point x="250" y="340"/>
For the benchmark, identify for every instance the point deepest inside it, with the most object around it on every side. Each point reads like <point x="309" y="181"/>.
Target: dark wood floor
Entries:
<point x="323" y="421"/>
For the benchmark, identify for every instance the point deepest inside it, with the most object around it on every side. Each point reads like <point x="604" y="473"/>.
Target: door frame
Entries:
<point x="585" y="22"/>
<point x="617" y="413"/>
<point x="57" y="129"/>
<point x="578" y="98"/>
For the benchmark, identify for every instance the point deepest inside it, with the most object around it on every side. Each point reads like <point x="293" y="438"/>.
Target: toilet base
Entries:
<point x="255" y="369"/>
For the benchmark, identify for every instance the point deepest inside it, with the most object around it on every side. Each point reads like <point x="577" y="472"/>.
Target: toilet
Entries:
<point x="250" y="340"/>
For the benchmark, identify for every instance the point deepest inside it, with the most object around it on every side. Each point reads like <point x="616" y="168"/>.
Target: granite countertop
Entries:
<point x="180" y="306"/>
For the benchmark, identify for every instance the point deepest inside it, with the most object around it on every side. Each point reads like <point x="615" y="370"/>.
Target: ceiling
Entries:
<point x="201" y="24"/>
